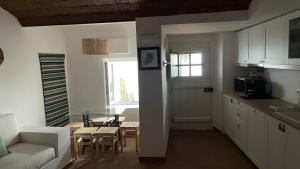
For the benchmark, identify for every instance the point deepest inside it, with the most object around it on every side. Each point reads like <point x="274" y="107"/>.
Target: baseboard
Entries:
<point x="152" y="159"/>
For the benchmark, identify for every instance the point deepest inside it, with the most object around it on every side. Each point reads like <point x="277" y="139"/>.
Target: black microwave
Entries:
<point x="250" y="87"/>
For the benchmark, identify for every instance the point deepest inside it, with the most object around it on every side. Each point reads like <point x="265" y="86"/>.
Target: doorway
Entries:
<point x="190" y="82"/>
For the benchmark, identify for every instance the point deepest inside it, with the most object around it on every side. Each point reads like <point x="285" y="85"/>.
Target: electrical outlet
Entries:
<point x="298" y="92"/>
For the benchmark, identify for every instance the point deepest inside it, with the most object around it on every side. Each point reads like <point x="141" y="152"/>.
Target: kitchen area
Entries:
<point x="262" y="115"/>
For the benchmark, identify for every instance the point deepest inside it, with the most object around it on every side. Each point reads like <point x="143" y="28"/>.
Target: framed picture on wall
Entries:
<point x="149" y="58"/>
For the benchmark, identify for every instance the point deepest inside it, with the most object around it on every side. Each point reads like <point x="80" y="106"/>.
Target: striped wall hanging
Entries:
<point x="54" y="89"/>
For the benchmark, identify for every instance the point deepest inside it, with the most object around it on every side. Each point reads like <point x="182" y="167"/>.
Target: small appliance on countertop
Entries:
<point x="251" y="87"/>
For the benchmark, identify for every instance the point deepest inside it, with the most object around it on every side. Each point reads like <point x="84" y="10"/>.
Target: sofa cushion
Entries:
<point x="27" y="156"/>
<point x="3" y="150"/>
<point x="8" y="129"/>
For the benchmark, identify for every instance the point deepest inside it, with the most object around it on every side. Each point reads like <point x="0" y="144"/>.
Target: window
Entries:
<point x="186" y="64"/>
<point x="122" y="83"/>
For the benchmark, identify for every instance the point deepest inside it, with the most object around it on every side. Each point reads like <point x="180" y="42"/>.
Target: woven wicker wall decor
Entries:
<point x="91" y="46"/>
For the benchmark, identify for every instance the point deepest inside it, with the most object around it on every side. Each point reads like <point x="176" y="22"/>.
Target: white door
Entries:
<point x="256" y="44"/>
<point x="243" y="42"/>
<point x="292" y="148"/>
<point x="256" y="137"/>
<point x="275" y="141"/>
<point x="190" y="86"/>
<point x="275" y="41"/>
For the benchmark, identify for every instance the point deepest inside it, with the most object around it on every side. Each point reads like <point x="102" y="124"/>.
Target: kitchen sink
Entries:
<point x="284" y="108"/>
<point x="290" y="112"/>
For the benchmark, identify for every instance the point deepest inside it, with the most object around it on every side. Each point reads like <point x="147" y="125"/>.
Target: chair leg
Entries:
<point x="114" y="151"/>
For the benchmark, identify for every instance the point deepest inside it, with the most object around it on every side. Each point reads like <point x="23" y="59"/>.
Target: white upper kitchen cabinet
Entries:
<point x="256" y="137"/>
<point x="292" y="148"/>
<point x="275" y="31"/>
<point x="276" y="143"/>
<point x="292" y="44"/>
<point x="256" y="44"/>
<point x="243" y="43"/>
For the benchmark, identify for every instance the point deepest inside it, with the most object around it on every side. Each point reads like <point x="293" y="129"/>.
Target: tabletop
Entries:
<point x="107" y="130"/>
<point x="86" y="130"/>
<point x="74" y="125"/>
<point x="106" y="119"/>
<point x="130" y="125"/>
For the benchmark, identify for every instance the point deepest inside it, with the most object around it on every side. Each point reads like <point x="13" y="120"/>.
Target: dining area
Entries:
<point x="103" y="134"/>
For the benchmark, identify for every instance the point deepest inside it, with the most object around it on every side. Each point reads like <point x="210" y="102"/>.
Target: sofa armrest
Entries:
<point x="56" y="137"/>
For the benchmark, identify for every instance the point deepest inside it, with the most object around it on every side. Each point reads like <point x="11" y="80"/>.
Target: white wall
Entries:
<point x="86" y="73"/>
<point x="20" y="76"/>
<point x="284" y="83"/>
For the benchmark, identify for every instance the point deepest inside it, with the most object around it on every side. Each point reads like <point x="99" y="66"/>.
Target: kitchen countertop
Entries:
<point x="292" y="119"/>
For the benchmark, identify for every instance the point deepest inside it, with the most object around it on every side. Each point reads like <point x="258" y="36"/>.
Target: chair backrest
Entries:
<point x="8" y="129"/>
<point x="85" y="119"/>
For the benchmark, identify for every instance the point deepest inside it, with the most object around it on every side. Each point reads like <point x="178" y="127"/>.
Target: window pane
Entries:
<point x="123" y="82"/>
<point x="196" y="58"/>
<point x="174" y="71"/>
<point x="184" y="71"/>
<point x="184" y="59"/>
<point x="174" y="59"/>
<point x="196" y="70"/>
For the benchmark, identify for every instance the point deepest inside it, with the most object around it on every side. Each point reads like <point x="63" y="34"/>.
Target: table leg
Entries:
<point x="75" y="147"/>
<point x="97" y="146"/>
<point x="113" y="148"/>
<point x="136" y="140"/>
<point x="122" y="141"/>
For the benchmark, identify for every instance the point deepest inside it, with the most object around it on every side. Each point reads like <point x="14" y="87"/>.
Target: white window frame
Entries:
<point x="178" y="65"/>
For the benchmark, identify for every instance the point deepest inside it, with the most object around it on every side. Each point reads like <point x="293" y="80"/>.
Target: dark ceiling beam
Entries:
<point x="125" y="7"/>
<point x="63" y="12"/>
<point x="41" y="4"/>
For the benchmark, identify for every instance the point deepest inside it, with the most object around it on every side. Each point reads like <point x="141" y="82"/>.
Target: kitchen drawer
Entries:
<point x="240" y="134"/>
<point x="241" y="111"/>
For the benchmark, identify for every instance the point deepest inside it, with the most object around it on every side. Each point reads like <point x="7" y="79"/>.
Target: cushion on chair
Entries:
<point x="3" y="150"/>
<point x="8" y="129"/>
<point x="27" y="156"/>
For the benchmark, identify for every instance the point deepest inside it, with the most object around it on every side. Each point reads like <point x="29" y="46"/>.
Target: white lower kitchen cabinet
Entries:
<point x="240" y="125"/>
<point x="268" y="142"/>
<point x="283" y="145"/>
<point x="256" y="137"/>
<point x="240" y="134"/>
<point x="275" y="142"/>
<point x="228" y="111"/>
<point x="292" y="148"/>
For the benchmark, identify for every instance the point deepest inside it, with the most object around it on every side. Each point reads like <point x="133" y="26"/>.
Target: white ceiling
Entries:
<point x="104" y="30"/>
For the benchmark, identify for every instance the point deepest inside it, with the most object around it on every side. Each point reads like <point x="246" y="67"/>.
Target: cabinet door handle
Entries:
<point x="280" y="127"/>
<point x="283" y="128"/>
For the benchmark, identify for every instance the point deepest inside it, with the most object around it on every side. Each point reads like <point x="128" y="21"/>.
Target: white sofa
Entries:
<point x="34" y="147"/>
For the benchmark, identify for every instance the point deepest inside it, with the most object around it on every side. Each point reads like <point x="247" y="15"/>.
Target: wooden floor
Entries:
<point x="186" y="150"/>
